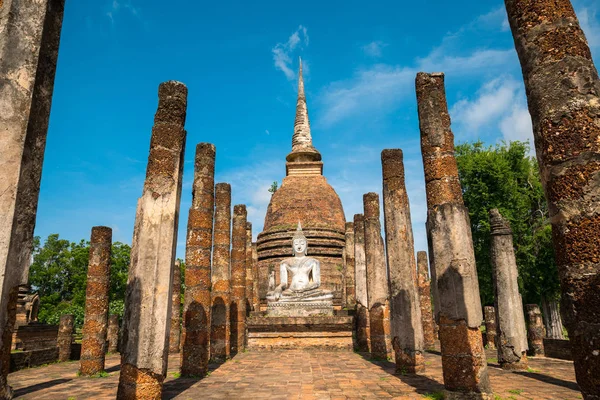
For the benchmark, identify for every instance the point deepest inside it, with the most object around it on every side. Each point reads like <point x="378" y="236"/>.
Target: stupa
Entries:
<point x="304" y="196"/>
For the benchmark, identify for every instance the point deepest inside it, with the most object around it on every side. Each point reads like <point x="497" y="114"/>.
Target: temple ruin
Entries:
<point x="314" y="280"/>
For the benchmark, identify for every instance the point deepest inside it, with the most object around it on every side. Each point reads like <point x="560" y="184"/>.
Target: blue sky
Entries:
<point x="239" y="60"/>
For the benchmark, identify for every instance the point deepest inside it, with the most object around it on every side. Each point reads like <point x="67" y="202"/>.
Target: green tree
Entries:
<point x="505" y="177"/>
<point x="273" y="187"/>
<point x="59" y="274"/>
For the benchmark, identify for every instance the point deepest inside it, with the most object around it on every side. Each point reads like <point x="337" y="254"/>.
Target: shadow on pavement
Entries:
<point x="40" y="386"/>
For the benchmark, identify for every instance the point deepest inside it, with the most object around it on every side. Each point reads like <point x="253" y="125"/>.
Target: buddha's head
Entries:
<point x="299" y="242"/>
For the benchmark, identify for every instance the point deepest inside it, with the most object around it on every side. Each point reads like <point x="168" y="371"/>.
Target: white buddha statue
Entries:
<point x="305" y="273"/>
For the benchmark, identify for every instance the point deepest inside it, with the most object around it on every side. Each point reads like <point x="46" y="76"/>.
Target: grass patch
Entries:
<point x="383" y="378"/>
<point x="434" y="395"/>
<point x="492" y="360"/>
<point x="532" y="370"/>
<point x="176" y="374"/>
<point x="515" y="391"/>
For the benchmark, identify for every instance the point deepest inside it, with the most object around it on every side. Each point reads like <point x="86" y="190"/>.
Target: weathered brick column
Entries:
<point x="147" y="319"/>
<point x="255" y="292"/>
<point x="221" y="295"/>
<point x="195" y="337"/>
<point x="112" y="334"/>
<point x="95" y="324"/>
<point x="563" y="94"/>
<point x="510" y="321"/>
<point x="535" y="330"/>
<point x="363" y="340"/>
<point x="489" y="314"/>
<point x="249" y="276"/>
<point x="455" y="287"/>
<point x="27" y="69"/>
<point x="425" y="300"/>
<point x="377" y="282"/>
<point x="175" y="332"/>
<point x="65" y="337"/>
<point x="405" y="316"/>
<point x="350" y="266"/>
<point x="238" y="279"/>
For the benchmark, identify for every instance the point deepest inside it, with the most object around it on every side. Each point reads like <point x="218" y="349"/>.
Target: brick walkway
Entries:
<point x="298" y="375"/>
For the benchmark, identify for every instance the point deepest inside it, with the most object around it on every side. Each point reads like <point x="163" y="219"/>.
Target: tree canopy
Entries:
<point x="59" y="274"/>
<point x="505" y="177"/>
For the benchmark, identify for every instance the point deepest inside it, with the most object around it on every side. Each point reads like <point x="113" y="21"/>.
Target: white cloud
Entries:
<point x="374" y="49"/>
<point x="118" y="6"/>
<point x="382" y="87"/>
<point x="492" y="101"/>
<point x="517" y="125"/>
<point x="282" y="52"/>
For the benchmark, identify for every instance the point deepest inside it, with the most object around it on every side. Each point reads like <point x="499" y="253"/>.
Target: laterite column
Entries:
<point x="377" y="282"/>
<point x="195" y="338"/>
<point x="95" y="325"/>
<point x="405" y="316"/>
<point x="147" y="319"/>
<point x="563" y="94"/>
<point x="455" y="287"/>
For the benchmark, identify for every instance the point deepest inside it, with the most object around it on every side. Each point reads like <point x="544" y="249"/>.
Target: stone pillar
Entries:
<point x="563" y="94"/>
<point x="221" y="296"/>
<point x="377" y="282"/>
<point x="249" y="276"/>
<point x="27" y="69"/>
<point x="363" y="340"/>
<point x="175" y="332"/>
<point x="96" y="303"/>
<point x="455" y="287"/>
<point x="489" y="313"/>
<point x="65" y="337"/>
<point x="255" y="291"/>
<point x="238" y="279"/>
<point x="510" y="322"/>
<point x="535" y="330"/>
<point x="350" y="266"/>
<point x="425" y="300"/>
<point x="147" y="319"/>
<point x="113" y="333"/>
<point x="195" y="337"/>
<point x="405" y="316"/>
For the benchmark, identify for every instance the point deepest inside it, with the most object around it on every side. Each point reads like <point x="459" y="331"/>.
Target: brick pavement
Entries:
<point x="298" y="375"/>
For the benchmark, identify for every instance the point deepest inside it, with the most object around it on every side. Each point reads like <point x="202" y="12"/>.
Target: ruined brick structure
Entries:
<point x="195" y="337"/>
<point x="489" y="315"/>
<point x="429" y="335"/>
<point x="363" y="340"/>
<point x="65" y="337"/>
<point x="305" y="197"/>
<point x="238" y="279"/>
<point x="377" y="281"/>
<point x="510" y="322"/>
<point x="112" y="335"/>
<point x="175" y="332"/>
<point x="349" y="266"/>
<point x="249" y="273"/>
<point x="405" y="315"/>
<point x="563" y="94"/>
<point x="454" y="276"/>
<point x="95" y="325"/>
<point x="220" y="345"/>
<point x="535" y="330"/>
<point x="255" y="275"/>
<point x="145" y="345"/>
<point x="27" y="70"/>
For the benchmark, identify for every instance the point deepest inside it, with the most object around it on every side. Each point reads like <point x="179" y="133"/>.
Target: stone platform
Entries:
<point x="315" y="332"/>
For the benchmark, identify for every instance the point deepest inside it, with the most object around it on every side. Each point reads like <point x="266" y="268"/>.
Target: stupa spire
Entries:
<point x="302" y="139"/>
